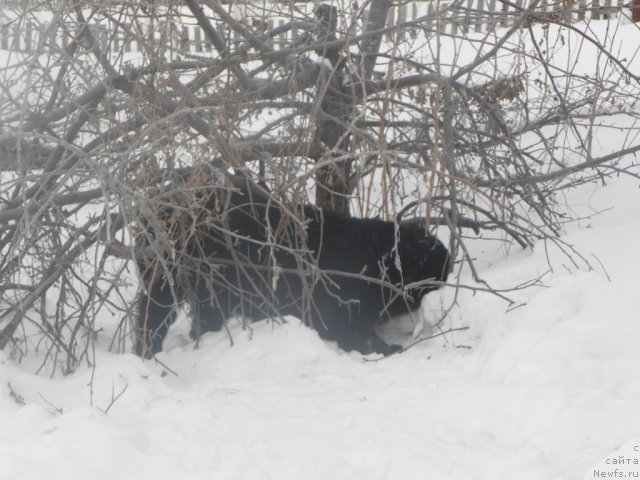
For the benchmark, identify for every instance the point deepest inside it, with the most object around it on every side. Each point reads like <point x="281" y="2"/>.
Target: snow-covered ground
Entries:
<point x="543" y="391"/>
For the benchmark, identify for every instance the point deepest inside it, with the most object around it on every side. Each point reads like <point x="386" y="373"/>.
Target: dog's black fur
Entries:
<point x="242" y="255"/>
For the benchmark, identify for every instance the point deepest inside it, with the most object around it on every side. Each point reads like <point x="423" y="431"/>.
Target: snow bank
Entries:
<point x="542" y="391"/>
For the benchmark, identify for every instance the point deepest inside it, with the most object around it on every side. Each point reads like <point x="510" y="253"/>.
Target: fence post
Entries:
<point x="282" y="38"/>
<point x="402" y="17"/>
<point x="4" y="36"/>
<point x="492" y="25"/>
<point x="184" y="40"/>
<point x="28" y="37"/>
<point x="467" y="17"/>
<point x="390" y="22"/>
<point x="197" y="39"/>
<point x="430" y="17"/>
<point x="595" y="9"/>
<point x="478" y="21"/>
<point x="504" y="14"/>
<point x="582" y="10"/>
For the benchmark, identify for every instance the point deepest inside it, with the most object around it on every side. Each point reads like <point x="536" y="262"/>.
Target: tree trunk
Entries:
<point x="333" y="117"/>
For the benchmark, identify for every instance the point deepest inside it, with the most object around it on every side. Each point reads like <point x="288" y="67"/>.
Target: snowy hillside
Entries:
<point x="544" y="391"/>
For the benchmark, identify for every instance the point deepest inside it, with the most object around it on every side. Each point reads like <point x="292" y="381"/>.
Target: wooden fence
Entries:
<point x="22" y="34"/>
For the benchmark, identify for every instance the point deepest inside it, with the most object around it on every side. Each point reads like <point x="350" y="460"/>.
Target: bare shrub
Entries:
<point x="474" y="121"/>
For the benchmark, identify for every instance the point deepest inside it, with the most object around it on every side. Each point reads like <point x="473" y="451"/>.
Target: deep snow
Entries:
<point x="545" y="391"/>
<point x="542" y="391"/>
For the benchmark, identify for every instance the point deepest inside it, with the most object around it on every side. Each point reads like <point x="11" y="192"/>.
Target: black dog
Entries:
<point x="243" y="255"/>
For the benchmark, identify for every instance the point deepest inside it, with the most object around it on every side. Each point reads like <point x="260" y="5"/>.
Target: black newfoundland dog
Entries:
<point x="241" y="254"/>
